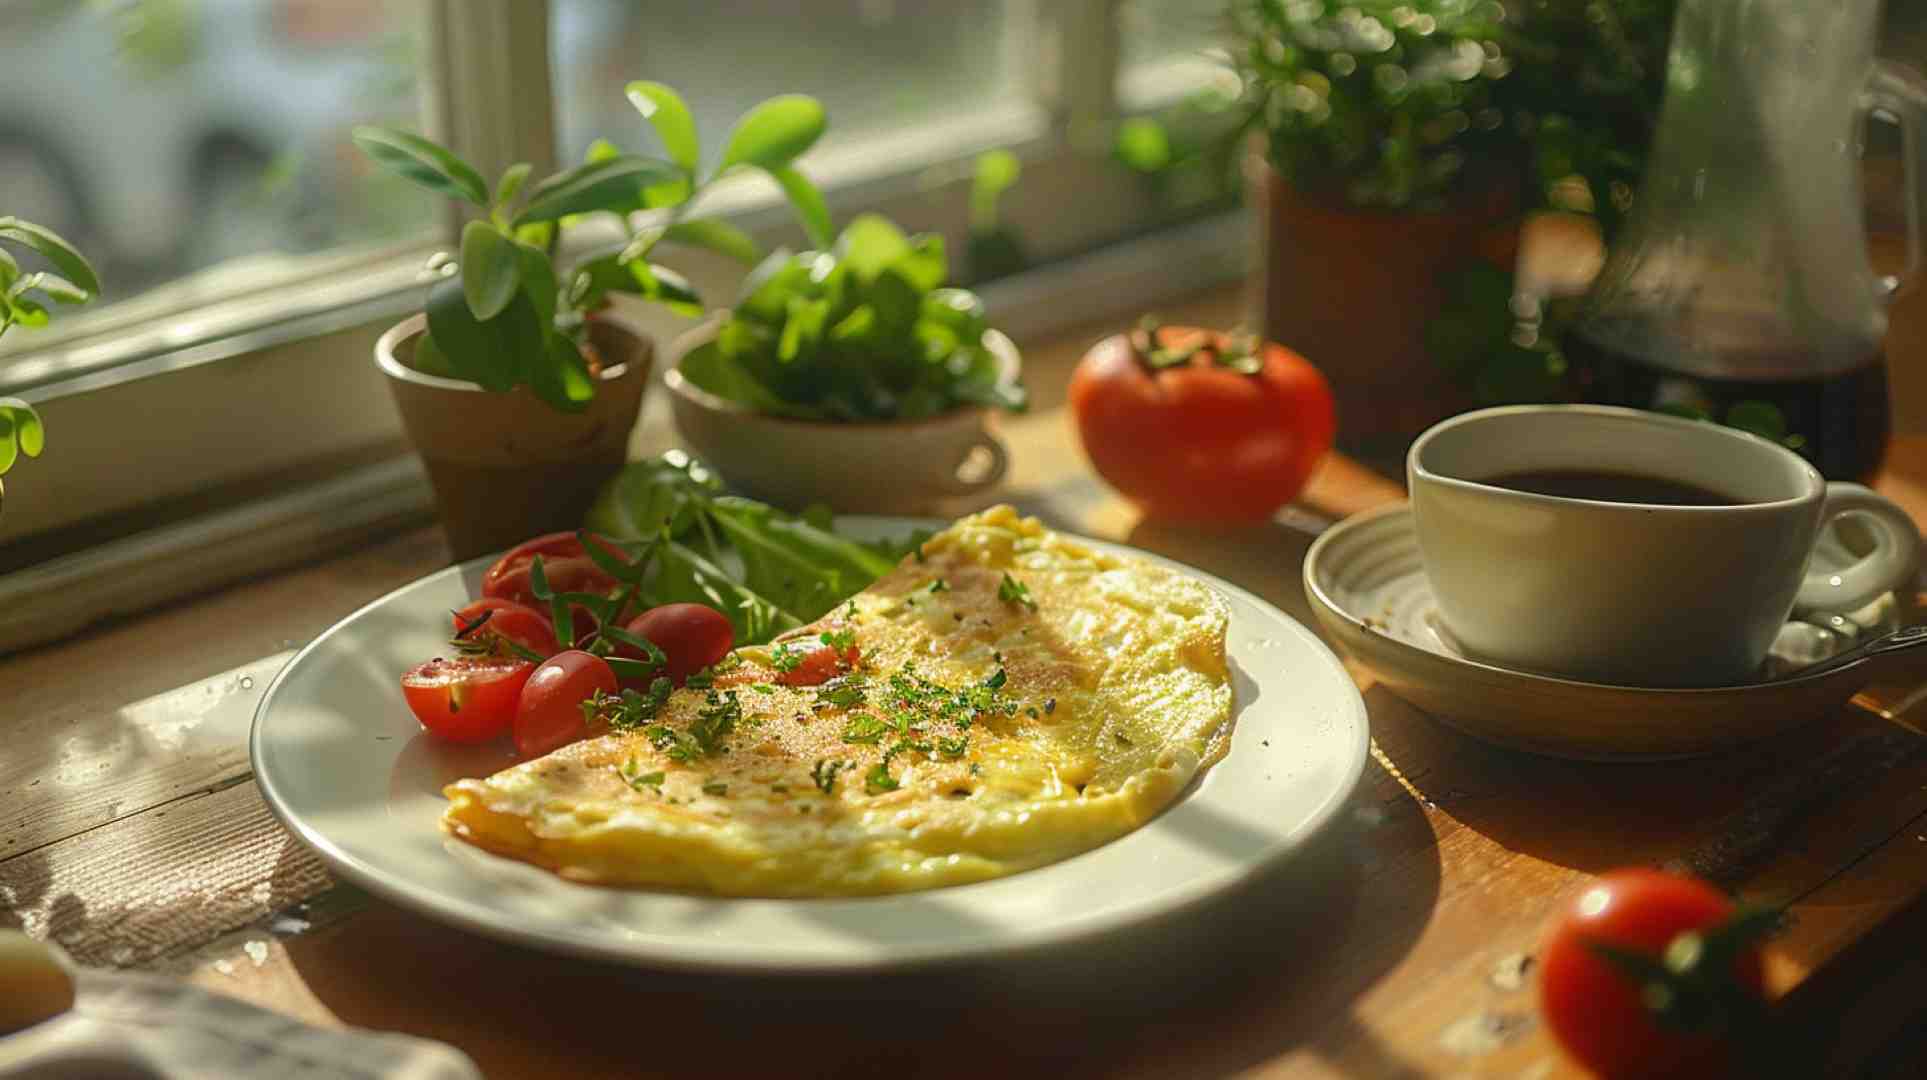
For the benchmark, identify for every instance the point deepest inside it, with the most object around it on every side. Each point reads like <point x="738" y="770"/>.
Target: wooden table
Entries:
<point x="131" y="832"/>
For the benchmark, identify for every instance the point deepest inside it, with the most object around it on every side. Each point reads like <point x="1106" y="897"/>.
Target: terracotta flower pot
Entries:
<point x="507" y="466"/>
<point x="1353" y="290"/>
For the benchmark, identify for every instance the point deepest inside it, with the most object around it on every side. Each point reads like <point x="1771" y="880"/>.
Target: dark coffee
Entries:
<point x="1619" y="487"/>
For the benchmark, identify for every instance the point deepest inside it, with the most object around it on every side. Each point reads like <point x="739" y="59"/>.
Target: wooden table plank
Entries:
<point x="1396" y="948"/>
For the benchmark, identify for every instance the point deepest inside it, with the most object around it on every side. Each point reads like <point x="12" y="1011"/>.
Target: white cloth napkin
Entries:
<point x="125" y="1026"/>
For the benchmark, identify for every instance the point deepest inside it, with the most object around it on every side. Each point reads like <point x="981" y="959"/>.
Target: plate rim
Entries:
<point x="699" y="957"/>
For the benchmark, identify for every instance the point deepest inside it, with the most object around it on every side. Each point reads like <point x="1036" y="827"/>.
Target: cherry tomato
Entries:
<point x="1597" y="1011"/>
<point x="467" y="699"/>
<point x="817" y="662"/>
<point x="1211" y="437"/>
<point x="691" y="636"/>
<point x="564" y="564"/>
<point x="508" y="620"/>
<point x="550" y="712"/>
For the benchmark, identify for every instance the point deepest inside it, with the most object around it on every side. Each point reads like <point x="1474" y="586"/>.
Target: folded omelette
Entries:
<point x="1015" y="698"/>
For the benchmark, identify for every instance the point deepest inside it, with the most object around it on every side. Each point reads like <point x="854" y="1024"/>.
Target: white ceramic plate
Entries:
<point x="344" y="765"/>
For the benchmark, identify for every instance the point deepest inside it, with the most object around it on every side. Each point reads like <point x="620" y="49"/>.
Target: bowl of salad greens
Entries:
<point x="852" y="378"/>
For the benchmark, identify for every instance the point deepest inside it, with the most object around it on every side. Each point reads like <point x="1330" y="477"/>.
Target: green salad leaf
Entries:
<point x="865" y="331"/>
<point x="686" y="540"/>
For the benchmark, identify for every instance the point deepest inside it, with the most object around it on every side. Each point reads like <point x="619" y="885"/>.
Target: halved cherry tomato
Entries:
<point x="510" y="621"/>
<point x="1601" y="1014"/>
<point x="691" y="636"/>
<point x="1189" y="427"/>
<point x="467" y="699"/>
<point x="566" y="567"/>
<point x="817" y="662"/>
<point x="550" y="712"/>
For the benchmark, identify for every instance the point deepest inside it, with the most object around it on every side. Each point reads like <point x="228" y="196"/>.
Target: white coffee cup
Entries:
<point x="1635" y="594"/>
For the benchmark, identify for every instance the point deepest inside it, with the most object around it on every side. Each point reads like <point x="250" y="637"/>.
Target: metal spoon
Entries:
<point x="1906" y="639"/>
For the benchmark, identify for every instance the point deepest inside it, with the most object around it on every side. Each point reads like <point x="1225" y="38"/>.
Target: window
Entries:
<point x="250" y="256"/>
<point x="198" y="149"/>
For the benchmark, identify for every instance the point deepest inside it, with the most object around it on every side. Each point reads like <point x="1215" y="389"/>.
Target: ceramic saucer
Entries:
<point x="1367" y="586"/>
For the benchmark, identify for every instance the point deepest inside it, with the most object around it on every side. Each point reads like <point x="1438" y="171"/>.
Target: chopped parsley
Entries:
<point x="630" y="710"/>
<point x="1012" y="591"/>
<point x="849" y="611"/>
<point x="953" y="748"/>
<point x="762" y="688"/>
<point x="939" y="585"/>
<point x="785" y="659"/>
<point x="637" y="779"/>
<point x="825" y="774"/>
<point x="997" y="678"/>
<point x="878" y="780"/>
<point x="866" y="729"/>
<point x="715" y="788"/>
<point x="842" y="640"/>
<point x="716" y="720"/>
<point x="842" y="693"/>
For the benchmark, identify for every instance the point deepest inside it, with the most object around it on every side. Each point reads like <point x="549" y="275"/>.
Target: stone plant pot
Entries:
<point x="507" y="466"/>
<point x="1353" y="291"/>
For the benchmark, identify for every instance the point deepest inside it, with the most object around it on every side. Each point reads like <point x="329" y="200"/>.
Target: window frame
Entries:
<point x="218" y="378"/>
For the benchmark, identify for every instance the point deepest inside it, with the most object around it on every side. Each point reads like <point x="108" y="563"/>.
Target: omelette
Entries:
<point x="1005" y="698"/>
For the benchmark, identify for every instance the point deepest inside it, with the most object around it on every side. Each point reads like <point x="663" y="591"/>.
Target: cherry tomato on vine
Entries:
<point x="1196" y="424"/>
<point x="565" y="565"/>
<point x="466" y="699"/>
<point x="691" y="637"/>
<point x="1611" y="1020"/>
<point x="508" y="620"/>
<point x="549" y="714"/>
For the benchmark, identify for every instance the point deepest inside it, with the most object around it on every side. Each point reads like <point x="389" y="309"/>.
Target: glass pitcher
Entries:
<point x="1740" y="289"/>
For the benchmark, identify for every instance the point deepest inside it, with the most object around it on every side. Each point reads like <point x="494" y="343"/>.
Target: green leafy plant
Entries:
<point x="1407" y="103"/>
<point x="508" y="318"/>
<point x="766" y="570"/>
<point x="24" y="296"/>
<point x="995" y="250"/>
<point x="865" y="331"/>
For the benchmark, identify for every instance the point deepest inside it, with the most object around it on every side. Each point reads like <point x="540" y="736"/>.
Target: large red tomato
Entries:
<point x="1192" y="424"/>
<point x="1612" y="1021"/>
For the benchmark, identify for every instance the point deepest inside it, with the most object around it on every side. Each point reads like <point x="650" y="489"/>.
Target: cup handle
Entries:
<point x="955" y="484"/>
<point x="1890" y="565"/>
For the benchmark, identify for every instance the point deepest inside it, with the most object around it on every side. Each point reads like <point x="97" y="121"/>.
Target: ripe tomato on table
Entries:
<point x="565" y="565"/>
<point x="1196" y="424"/>
<point x="466" y="699"/>
<point x="1695" y="1013"/>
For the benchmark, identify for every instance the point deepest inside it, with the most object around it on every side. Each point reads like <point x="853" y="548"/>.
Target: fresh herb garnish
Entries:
<point x="716" y="720"/>
<point x="997" y="679"/>
<point x="785" y="659"/>
<point x="865" y="728"/>
<point x="954" y="748"/>
<point x="840" y="640"/>
<point x="1012" y="591"/>
<point x="468" y="642"/>
<point x="939" y="585"/>
<point x="762" y="688"/>
<point x="630" y="709"/>
<point x="846" y="692"/>
<point x="825" y="774"/>
<point x="715" y="788"/>
<point x="878" y="780"/>
<point x="637" y="779"/>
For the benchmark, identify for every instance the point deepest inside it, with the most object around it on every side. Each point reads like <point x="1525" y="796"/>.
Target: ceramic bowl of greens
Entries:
<point x="851" y="378"/>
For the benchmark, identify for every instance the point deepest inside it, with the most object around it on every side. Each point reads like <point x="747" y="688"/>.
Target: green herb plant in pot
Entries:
<point x="517" y="384"/>
<point x="849" y="376"/>
<point x="24" y="295"/>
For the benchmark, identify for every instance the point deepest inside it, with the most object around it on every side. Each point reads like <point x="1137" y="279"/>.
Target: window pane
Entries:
<point x="875" y="64"/>
<point x="203" y="145"/>
<point x="1150" y="31"/>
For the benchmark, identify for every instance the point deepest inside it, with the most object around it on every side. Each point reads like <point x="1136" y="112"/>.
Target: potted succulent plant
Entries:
<point x="849" y="376"/>
<point x="24" y="295"/>
<point x="1402" y="139"/>
<point x="516" y="384"/>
